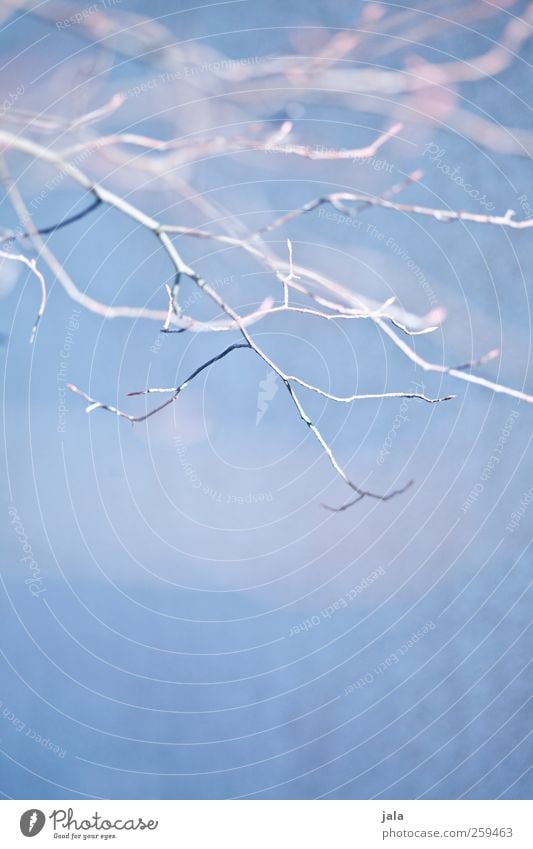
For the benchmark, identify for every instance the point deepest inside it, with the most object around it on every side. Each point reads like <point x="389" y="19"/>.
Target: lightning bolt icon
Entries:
<point x="267" y="390"/>
<point x="33" y="820"/>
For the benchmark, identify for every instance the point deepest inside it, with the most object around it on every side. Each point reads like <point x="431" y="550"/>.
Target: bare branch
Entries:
<point x="98" y="405"/>
<point x="291" y="276"/>
<point x="161" y="231"/>
<point x="44" y="231"/>
<point x="359" y="303"/>
<point x="443" y="215"/>
<point x="361" y="493"/>
<point x="347" y="306"/>
<point x="103" y="196"/>
<point x="457" y="372"/>
<point x="348" y="399"/>
<point x="32" y="265"/>
<point x="193" y="148"/>
<point x="53" y="123"/>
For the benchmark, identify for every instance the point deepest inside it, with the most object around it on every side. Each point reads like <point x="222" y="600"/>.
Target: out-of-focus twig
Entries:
<point x="336" y="199"/>
<point x="193" y="148"/>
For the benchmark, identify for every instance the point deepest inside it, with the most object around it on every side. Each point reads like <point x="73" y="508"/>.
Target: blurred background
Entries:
<point x="181" y="617"/>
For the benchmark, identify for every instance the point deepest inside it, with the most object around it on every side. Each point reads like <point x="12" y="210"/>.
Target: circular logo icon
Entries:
<point x="32" y="822"/>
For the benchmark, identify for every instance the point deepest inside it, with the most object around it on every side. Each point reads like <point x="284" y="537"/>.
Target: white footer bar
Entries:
<point x="268" y="824"/>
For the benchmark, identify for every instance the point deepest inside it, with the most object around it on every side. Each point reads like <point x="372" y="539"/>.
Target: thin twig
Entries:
<point x="457" y="372"/>
<point x="104" y="196"/>
<point x="193" y="148"/>
<point x="32" y="265"/>
<point x="33" y="149"/>
<point x="361" y="304"/>
<point x="289" y="278"/>
<point x="44" y="231"/>
<point x="98" y="405"/>
<point x="164" y="232"/>
<point x="443" y="215"/>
